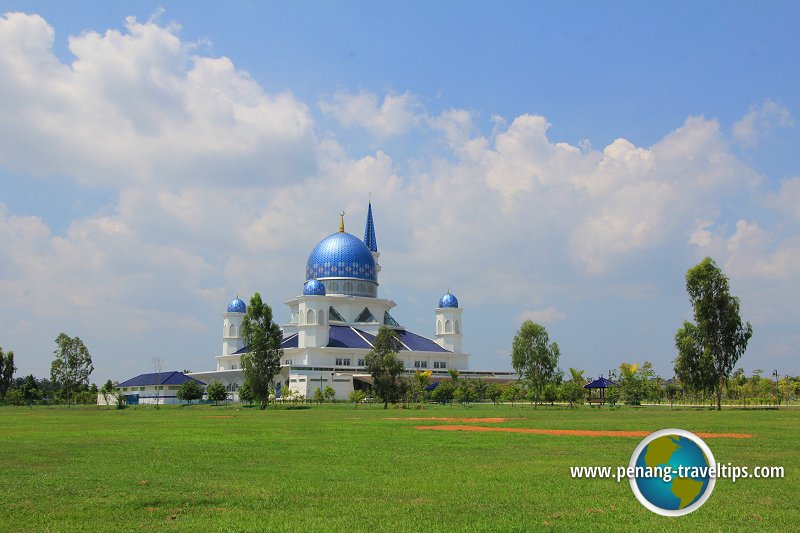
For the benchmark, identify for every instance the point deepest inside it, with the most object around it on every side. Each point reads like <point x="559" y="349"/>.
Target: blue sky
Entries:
<point x="566" y="162"/>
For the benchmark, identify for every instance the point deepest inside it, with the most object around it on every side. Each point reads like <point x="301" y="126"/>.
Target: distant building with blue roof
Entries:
<point x="332" y="324"/>
<point x="152" y="388"/>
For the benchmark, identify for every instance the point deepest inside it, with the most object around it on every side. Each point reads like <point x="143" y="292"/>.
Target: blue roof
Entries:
<point x="369" y="231"/>
<point x="237" y="306"/>
<point x="600" y="383"/>
<point x="346" y="337"/>
<point x="417" y="343"/>
<point x="448" y="300"/>
<point x="314" y="287"/>
<point x="341" y="255"/>
<point x="350" y="337"/>
<point x="160" y="378"/>
<point x="289" y="342"/>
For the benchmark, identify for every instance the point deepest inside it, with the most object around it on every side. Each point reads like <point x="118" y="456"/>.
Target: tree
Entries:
<point x="709" y="349"/>
<point x="633" y="381"/>
<point x="29" y="390"/>
<point x="612" y="395"/>
<point x="420" y="382"/>
<point x="573" y="390"/>
<point x="465" y="391"/>
<point x="329" y="393"/>
<point x="7" y="370"/>
<point x="454" y="374"/>
<point x="263" y="338"/>
<point x="357" y="396"/>
<point x="551" y="393"/>
<point x="190" y="390"/>
<point x="318" y="396"/>
<point x="246" y="393"/>
<point x="534" y="357"/>
<point x="443" y="392"/>
<point x="513" y="392"/>
<point x="494" y="391"/>
<point x="72" y="365"/>
<point x="671" y="391"/>
<point x="384" y="366"/>
<point x="216" y="392"/>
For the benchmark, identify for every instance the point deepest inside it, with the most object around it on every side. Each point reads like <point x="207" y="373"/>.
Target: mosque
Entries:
<point x="333" y="324"/>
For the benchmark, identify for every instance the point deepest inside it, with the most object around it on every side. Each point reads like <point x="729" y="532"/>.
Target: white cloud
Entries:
<point x="394" y="116"/>
<point x="759" y="121"/>
<point x="787" y="199"/>
<point x="137" y="106"/>
<point x="547" y="315"/>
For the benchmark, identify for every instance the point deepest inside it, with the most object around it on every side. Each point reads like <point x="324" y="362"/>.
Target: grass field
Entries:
<point x="204" y="468"/>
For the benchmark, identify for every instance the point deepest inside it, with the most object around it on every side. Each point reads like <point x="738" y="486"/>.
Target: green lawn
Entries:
<point x="339" y="468"/>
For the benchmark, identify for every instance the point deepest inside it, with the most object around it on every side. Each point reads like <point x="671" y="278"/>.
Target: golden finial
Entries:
<point x="341" y="223"/>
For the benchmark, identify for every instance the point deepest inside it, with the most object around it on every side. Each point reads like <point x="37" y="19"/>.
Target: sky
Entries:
<point x="563" y="162"/>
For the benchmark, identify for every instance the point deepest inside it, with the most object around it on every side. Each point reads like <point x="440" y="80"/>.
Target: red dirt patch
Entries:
<point x="452" y="419"/>
<point x="576" y="432"/>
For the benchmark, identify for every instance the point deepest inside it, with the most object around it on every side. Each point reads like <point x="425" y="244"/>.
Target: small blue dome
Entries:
<point x="237" y="306"/>
<point x="448" y="300"/>
<point x="341" y="255"/>
<point x="314" y="287"/>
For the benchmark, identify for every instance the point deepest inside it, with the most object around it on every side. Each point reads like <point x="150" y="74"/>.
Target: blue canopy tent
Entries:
<point x="602" y="384"/>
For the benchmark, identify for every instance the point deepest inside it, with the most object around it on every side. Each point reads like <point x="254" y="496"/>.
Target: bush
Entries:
<point x="357" y="396"/>
<point x="86" y="397"/>
<point x="14" y="397"/>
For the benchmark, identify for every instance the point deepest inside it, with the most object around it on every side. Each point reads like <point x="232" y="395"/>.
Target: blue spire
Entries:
<point x="369" y="232"/>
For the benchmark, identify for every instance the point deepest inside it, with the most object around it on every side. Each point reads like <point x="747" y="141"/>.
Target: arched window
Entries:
<point x="232" y="331"/>
<point x="348" y="287"/>
<point x="225" y="328"/>
<point x="321" y="317"/>
<point x="458" y="327"/>
<point x="438" y="326"/>
<point x="334" y="287"/>
<point x="310" y="316"/>
<point x="448" y="327"/>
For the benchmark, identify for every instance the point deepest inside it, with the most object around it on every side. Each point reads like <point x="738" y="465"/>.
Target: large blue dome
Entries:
<point x="314" y="287"/>
<point x="237" y="306"/>
<point x="341" y="255"/>
<point x="448" y="300"/>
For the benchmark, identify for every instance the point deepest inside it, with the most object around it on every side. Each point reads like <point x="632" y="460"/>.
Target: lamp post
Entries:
<point x="777" y="390"/>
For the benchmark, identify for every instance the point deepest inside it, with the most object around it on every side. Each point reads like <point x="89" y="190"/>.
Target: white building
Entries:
<point x="332" y="325"/>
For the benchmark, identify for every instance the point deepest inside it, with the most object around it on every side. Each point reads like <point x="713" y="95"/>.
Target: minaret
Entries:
<point x="369" y="237"/>
<point x="448" y="323"/>
<point x="312" y="325"/>
<point x="232" y="327"/>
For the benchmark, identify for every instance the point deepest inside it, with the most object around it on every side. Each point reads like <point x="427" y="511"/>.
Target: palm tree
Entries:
<point x="421" y="382"/>
<point x="577" y="381"/>
<point x="577" y="376"/>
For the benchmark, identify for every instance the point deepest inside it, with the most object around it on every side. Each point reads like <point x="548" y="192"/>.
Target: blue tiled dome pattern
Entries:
<point x="448" y="300"/>
<point x="341" y="255"/>
<point x="314" y="287"/>
<point x="237" y="306"/>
